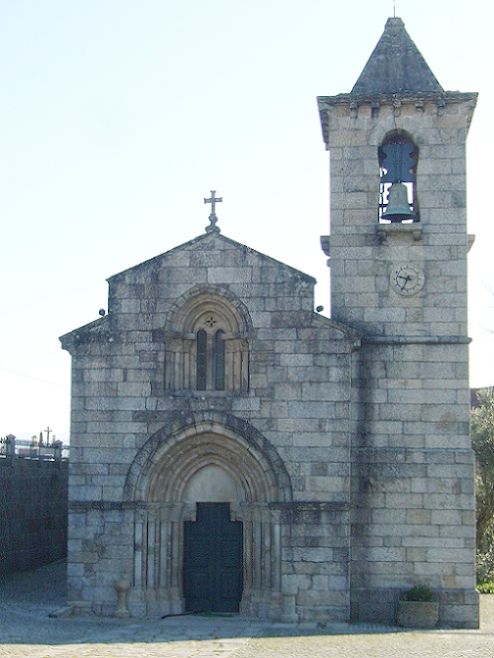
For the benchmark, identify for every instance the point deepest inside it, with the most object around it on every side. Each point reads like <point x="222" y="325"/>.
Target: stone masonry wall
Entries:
<point x="298" y="399"/>
<point x="414" y="508"/>
<point x="33" y="512"/>
<point x="412" y="475"/>
<point x="362" y="257"/>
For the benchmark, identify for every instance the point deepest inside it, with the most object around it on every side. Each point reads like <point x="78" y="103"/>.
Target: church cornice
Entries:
<point x="390" y="98"/>
<point x="353" y="102"/>
<point x="97" y="331"/>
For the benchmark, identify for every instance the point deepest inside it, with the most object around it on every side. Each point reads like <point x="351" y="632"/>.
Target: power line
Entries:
<point x="24" y="376"/>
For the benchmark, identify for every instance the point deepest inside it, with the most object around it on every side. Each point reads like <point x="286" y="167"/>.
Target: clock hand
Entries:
<point x="405" y="280"/>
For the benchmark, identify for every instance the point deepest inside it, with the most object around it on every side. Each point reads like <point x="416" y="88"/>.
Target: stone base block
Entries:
<point x="457" y="608"/>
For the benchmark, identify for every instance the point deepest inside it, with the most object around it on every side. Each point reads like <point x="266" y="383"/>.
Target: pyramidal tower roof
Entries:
<point x="396" y="65"/>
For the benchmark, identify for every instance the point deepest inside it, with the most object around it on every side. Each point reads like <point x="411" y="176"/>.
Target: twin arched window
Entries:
<point x="207" y="346"/>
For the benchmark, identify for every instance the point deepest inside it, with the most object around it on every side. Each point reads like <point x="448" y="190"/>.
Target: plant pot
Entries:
<point x="418" y="614"/>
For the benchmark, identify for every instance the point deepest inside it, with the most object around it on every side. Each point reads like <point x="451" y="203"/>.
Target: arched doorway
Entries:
<point x="213" y="543"/>
<point x="216" y="488"/>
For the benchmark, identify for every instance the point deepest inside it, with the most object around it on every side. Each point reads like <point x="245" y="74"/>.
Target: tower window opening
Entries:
<point x="398" y="158"/>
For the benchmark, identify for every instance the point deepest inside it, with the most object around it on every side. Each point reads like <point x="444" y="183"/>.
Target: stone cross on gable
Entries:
<point x="213" y="200"/>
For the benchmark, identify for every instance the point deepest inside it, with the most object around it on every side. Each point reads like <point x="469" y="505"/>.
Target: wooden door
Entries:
<point x="213" y="560"/>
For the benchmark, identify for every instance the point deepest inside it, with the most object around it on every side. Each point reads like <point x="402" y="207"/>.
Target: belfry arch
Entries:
<point x="210" y="458"/>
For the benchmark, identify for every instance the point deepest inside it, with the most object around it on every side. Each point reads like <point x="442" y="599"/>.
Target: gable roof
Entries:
<point x="396" y="65"/>
<point x="211" y="237"/>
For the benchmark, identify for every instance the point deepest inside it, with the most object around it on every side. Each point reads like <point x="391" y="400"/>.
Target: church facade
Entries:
<point x="232" y="450"/>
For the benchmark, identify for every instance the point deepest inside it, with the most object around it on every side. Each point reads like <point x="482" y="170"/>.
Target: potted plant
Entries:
<point x="418" y="608"/>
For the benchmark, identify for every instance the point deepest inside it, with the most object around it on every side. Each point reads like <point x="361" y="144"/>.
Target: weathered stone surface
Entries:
<point x="340" y="445"/>
<point x="33" y="504"/>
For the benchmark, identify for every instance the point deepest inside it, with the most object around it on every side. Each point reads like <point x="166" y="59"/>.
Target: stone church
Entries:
<point x="234" y="450"/>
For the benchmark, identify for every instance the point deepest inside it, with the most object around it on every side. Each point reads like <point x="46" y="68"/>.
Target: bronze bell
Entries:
<point x="398" y="207"/>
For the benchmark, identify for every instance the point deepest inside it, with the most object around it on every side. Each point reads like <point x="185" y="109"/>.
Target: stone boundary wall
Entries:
<point x="33" y="512"/>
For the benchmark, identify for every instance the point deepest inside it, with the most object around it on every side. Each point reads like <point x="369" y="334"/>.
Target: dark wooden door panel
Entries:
<point x="213" y="560"/>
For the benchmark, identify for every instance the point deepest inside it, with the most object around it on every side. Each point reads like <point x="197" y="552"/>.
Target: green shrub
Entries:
<point x="485" y="565"/>
<point x="486" y="587"/>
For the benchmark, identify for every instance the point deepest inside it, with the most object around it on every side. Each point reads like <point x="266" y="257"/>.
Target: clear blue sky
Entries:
<point x="117" y="117"/>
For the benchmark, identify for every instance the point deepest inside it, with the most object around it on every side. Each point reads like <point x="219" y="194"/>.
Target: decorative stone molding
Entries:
<point x="221" y="320"/>
<point x="163" y="481"/>
<point x="242" y="441"/>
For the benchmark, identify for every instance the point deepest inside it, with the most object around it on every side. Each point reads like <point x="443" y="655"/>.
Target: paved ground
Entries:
<point x="27" y="631"/>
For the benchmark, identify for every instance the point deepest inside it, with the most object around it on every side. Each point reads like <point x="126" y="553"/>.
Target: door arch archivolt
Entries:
<point x="207" y="457"/>
<point x="169" y="481"/>
<point x="240" y="437"/>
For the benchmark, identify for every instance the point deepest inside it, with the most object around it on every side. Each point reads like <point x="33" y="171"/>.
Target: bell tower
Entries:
<point x="397" y="253"/>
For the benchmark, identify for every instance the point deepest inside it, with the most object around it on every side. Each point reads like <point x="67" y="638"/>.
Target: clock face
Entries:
<point x="407" y="279"/>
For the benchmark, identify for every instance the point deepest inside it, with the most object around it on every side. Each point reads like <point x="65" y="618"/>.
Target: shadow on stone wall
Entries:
<point x="33" y="512"/>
